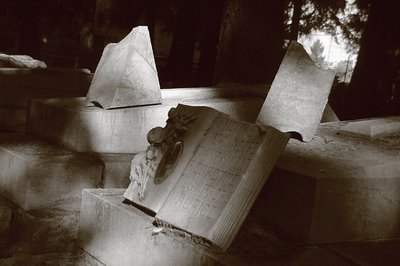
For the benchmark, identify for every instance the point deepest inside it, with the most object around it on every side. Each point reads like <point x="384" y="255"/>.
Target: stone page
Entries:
<point x="298" y="94"/>
<point x="220" y="174"/>
<point x="155" y="194"/>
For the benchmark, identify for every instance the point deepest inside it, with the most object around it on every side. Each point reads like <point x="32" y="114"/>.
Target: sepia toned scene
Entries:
<point x="214" y="132"/>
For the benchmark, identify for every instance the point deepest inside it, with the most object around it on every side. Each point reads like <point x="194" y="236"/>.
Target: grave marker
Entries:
<point x="126" y="74"/>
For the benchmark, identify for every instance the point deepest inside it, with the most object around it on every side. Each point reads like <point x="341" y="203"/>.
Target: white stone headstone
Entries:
<point x="126" y="74"/>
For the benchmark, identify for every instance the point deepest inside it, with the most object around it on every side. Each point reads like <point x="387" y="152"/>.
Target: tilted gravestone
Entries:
<point x="203" y="171"/>
<point x="126" y="74"/>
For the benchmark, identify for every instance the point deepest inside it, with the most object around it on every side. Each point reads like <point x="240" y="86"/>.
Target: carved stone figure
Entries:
<point x="159" y="160"/>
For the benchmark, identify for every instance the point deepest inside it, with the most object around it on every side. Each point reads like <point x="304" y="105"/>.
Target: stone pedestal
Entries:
<point x="119" y="234"/>
<point x="35" y="174"/>
<point x="337" y="188"/>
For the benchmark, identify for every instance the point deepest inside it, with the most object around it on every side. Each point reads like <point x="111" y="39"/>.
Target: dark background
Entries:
<point x="205" y="42"/>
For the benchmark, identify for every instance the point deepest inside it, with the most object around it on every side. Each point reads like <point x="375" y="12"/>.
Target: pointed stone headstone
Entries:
<point x="126" y="74"/>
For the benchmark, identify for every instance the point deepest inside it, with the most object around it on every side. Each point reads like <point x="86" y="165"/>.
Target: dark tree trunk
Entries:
<point x="213" y="10"/>
<point x="86" y="58"/>
<point x="180" y="60"/>
<point x="29" y="32"/>
<point x="371" y="89"/>
<point x="294" y="27"/>
<point x="251" y="41"/>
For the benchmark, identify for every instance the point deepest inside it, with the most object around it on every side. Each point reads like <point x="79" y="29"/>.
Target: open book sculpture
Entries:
<point x="126" y="74"/>
<point x="203" y="171"/>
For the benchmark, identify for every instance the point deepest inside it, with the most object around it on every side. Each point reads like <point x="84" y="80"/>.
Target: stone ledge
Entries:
<point x="35" y="174"/>
<point x="336" y="188"/>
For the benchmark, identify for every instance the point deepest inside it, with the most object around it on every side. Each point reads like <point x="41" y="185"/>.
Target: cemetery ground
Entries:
<point x="47" y="237"/>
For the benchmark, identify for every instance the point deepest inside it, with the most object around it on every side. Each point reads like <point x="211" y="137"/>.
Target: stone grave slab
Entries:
<point x="203" y="171"/>
<point x="337" y="187"/>
<point x="126" y="74"/>
<point x="69" y="122"/>
<point x="373" y="128"/>
<point x="35" y="174"/>
<point x="17" y="86"/>
<point x="117" y="234"/>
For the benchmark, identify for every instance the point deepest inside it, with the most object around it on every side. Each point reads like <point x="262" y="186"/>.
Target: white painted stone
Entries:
<point x="336" y="188"/>
<point x="69" y="122"/>
<point x="35" y="174"/>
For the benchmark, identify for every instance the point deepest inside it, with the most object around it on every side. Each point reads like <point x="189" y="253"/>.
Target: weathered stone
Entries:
<point x="5" y="217"/>
<point x="373" y="128"/>
<point x="298" y="94"/>
<point x="21" y="61"/>
<point x="126" y="74"/>
<point x="336" y="188"/>
<point x="68" y="122"/>
<point x="35" y="174"/>
<point x="204" y="170"/>
<point x="118" y="234"/>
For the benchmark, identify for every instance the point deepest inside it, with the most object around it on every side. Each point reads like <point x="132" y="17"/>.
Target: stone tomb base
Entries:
<point x="69" y="122"/>
<point x="338" y="187"/>
<point x="119" y="234"/>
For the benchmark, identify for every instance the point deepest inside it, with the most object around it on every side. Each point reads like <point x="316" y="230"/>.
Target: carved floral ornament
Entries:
<point x="161" y="156"/>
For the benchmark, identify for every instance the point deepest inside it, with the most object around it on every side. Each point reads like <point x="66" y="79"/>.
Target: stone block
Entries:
<point x="336" y="188"/>
<point x="119" y="234"/>
<point x="35" y="174"/>
<point x="5" y="216"/>
<point x="91" y="129"/>
<point x="17" y="86"/>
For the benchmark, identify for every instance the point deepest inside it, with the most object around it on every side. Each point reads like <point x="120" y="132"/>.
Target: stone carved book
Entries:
<point x="203" y="171"/>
